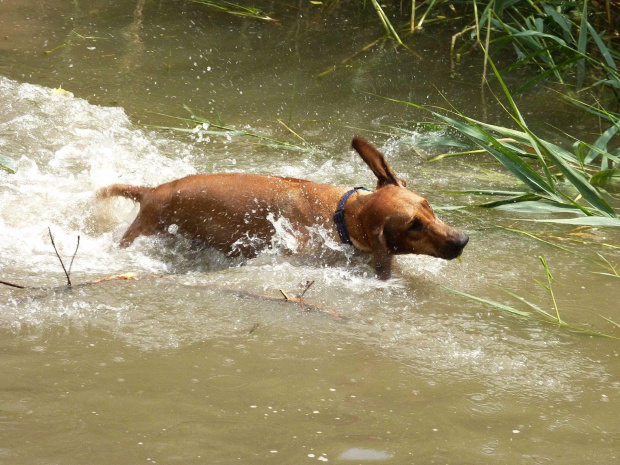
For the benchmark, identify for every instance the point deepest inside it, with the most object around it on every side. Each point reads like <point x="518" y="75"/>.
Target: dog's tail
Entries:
<point x="135" y="193"/>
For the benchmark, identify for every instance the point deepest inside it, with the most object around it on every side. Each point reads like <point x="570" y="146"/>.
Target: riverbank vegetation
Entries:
<point x="568" y="46"/>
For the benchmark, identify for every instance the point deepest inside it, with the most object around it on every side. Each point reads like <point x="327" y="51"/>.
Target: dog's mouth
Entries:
<point x="447" y="249"/>
<point x="454" y="249"/>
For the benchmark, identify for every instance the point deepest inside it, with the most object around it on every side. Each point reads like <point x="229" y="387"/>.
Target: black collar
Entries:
<point x="339" y="215"/>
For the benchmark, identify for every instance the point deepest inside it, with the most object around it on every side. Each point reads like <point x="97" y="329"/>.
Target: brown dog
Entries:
<point x="235" y="213"/>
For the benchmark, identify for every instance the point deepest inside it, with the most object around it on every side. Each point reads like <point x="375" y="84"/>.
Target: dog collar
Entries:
<point x="339" y="215"/>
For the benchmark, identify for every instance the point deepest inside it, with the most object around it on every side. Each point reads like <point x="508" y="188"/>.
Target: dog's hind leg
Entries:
<point x="134" y="230"/>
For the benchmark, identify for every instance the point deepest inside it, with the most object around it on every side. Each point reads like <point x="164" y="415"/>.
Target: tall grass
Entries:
<point x="550" y="174"/>
<point x="558" y="38"/>
<point x="534" y="311"/>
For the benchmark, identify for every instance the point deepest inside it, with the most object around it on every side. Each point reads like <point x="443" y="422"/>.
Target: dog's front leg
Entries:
<point x="382" y="256"/>
<point x="383" y="264"/>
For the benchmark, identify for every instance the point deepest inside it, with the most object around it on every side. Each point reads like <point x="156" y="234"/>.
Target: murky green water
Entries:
<point x="187" y="364"/>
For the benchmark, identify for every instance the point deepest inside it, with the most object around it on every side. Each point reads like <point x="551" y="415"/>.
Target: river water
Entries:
<point x="192" y="362"/>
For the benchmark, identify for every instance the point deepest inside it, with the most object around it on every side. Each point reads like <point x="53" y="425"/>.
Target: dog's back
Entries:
<point x="227" y="209"/>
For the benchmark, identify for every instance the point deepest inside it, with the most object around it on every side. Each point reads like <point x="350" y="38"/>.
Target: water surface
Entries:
<point x="188" y="363"/>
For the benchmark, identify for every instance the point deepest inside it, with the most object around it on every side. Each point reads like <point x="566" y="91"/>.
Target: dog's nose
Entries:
<point x="462" y="241"/>
<point x="454" y="247"/>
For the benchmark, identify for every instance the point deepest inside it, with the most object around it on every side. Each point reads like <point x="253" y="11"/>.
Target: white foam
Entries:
<point x="66" y="148"/>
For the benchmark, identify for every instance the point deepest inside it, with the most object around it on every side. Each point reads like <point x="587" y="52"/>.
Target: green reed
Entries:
<point x="552" y="174"/>
<point x="539" y="314"/>
<point x="236" y="9"/>
<point x="203" y="126"/>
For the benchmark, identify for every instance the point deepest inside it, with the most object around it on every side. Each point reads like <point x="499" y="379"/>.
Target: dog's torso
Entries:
<point x="235" y="212"/>
<point x="238" y="213"/>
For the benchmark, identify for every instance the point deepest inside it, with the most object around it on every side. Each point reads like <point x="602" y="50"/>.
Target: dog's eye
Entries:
<point x="416" y="225"/>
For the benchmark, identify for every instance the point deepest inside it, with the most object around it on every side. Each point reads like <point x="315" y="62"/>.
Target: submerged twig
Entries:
<point x="77" y="246"/>
<point x="253" y="328"/>
<point x="134" y="276"/>
<point x="306" y="306"/>
<point x="6" y="283"/>
<point x="285" y="295"/>
<point x="67" y="272"/>
<point x="301" y="296"/>
<point x="60" y="259"/>
<point x="350" y="57"/>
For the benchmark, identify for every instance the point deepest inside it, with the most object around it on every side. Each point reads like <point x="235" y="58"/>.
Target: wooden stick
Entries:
<point x="58" y="255"/>
<point x="286" y="298"/>
<point x="74" y="254"/>
<point x="6" y="283"/>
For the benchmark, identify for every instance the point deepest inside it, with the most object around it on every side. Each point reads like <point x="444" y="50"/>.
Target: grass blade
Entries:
<point x="491" y="303"/>
<point x="8" y="164"/>
<point x="582" y="45"/>
<point x="529" y="304"/>
<point x="602" y="47"/>
<point x="515" y="164"/>
<point x="607" y="178"/>
<point x="556" y="155"/>
<point x="386" y="22"/>
<point x="601" y="143"/>
<point x="562" y="21"/>
<point x="528" y="197"/>
<point x="234" y="9"/>
<point x="596" y="221"/>
<point x="540" y="208"/>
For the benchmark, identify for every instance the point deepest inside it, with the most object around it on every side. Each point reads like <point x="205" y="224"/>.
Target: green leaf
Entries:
<point x="8" y="164"/>
<point x="491" y="303"/>
<point x="434" y="141"/>
<point x="234" y="9"/>
<point x="519" y="199"/>
<point x="610" y="82"/>
<point x="607" y="179"/>
<point x="386" y="22"/>
<point x="531" y="33"/>
<point x="562" y="21"/>
<point x="596" y="221"/>
<point x="515" y="164"/>
<point x="538" y="207"/>
<point x="587" y="190"/>
<point x="607" y="274"/>
<point x="544" y="75"/>
<point x="582" y="45"/>
<point x="528" y="303"/>
<point x="602" y="47"/>
<point x="521" y="121"/>
<point x="486" y="192"/>
<point x="558" y="156"/>
<point x="601" y="143"/>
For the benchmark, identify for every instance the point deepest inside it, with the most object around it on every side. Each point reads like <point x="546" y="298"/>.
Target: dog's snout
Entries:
<point x="454" y="247"/>
<point x="462" y="240"/>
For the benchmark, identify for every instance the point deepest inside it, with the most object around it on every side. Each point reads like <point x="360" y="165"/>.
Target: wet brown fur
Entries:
<point x="231" y="212"/>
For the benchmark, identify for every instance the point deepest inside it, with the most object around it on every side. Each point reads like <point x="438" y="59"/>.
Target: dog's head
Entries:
<point x="397" y="221"/>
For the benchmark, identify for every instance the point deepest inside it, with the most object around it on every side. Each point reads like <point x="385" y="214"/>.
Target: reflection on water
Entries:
<point x="189" y="363"/>
<point x="364" y="455"/>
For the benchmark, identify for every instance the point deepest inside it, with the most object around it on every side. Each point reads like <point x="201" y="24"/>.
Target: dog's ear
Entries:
<point x="376" y="162"/>
<point x="383" y="259"/>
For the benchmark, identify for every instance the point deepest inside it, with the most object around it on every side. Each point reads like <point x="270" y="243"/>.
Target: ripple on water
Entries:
<point x="66" y="148"/>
